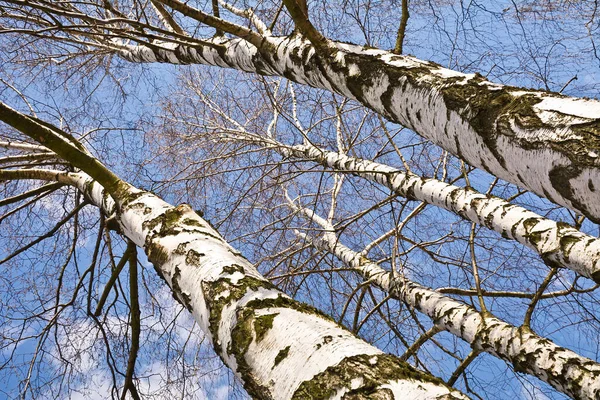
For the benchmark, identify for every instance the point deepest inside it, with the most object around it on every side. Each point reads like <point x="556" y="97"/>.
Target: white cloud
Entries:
<point x="167" y="332"/>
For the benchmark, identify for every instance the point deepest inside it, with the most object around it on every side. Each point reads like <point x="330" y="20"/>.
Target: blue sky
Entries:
<point x="469" y="36"/>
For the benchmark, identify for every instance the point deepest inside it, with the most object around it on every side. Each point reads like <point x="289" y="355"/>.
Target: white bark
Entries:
<point x="543" y="141"/>
<point x="565" y="370"/>
<point x="557" y="243"/>
<point x="22" y="146"/>
<point x="279" y="348"/>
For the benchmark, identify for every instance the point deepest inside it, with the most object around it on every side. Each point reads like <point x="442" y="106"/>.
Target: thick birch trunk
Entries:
<point x="545" y="142"/>
<point x="558" y="243"/>
<point x="278" y="347"/>
<point x="566" y="371"/>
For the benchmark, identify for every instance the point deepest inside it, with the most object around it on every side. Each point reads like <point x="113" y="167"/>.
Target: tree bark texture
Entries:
<point x="543" y="141"/>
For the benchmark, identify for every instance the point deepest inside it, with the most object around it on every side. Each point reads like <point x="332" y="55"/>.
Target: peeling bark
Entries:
<point x="278" y="347"/>
<point x="540" y="140"/>
<point x="563" y="369"/>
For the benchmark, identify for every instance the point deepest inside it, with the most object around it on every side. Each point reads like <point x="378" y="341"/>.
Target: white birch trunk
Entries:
<point x="278" y="347"/>
<point x="565" y="370"/>
<point x="545" y="142"/>
<point x="557" y="243"/>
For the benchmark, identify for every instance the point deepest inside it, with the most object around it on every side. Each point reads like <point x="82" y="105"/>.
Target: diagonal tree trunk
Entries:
<point x="545" y="142"/>
<point x="557" y="243"/>
<point x="278" y="347"/>
<point x="563" y="369"/>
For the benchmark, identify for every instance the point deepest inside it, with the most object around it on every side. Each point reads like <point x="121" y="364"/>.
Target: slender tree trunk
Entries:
<point x="545" y="142"/>
<point x="557" y="243"/>
<point x="565" y="370"/>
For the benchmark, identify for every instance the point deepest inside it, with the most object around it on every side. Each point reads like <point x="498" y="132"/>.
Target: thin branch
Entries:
<point x="476" y="269"/>
<point x="111" y="281"/>
<point x="323" y="45"/>
<point x="370" y="313"/>
<point x="402" y="28"/>
<point x="537" y="297"/>
<point x="47" y="235"/>
<point x="30" y="193"/>
<point x="129" y="386"/>
<point x="412" y="350"/>
<point x="462" y="366"/>
<point x="93" y="264"/>
<point x="567" y="84"/>
<point x="276" y="17"/>
<point x="217" y="23"/>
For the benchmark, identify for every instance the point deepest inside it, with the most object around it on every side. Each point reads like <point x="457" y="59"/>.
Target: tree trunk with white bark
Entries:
<point x="278" y="347"/>
<point x="563" y="369"/>
<point x="543" y="141"/>
<point x="559" y="244"/>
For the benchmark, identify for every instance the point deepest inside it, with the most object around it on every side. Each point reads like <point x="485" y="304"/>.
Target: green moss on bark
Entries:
<point x="168" y="220"/>
<point x="373" y="371"/>
<point x="262" y="325"/>
<point x="222" y="292"/>
<point x="241" y="337"/>
<point x="282" y="355"/>
<point x="193" y="257"/>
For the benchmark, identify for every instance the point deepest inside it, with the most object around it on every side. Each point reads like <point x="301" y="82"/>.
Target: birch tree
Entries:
<point x="260" y="332"/>
<point x="525" y="350"/>
<point x="486" y="124"/>
<point x="234" y="152"/>
<point x="209" y="125"/>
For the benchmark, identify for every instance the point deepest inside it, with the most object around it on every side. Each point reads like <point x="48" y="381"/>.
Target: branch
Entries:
<point x="299" y="14"/>
<point x="463" y="365"/>
<point x="167" y="18"/>
<point x="47" y="235"/>
<point x="412" y="350"/>
<point x="30" y="193"/>
<point x="247" y="13"/>
<point x="129" y="386"/>
<point x="64" y="145"/>
<point x="111" y="281"/>
<point x="402" y="28"/>
<point x="537" y="297"/>
<point x="218" y="23"/>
